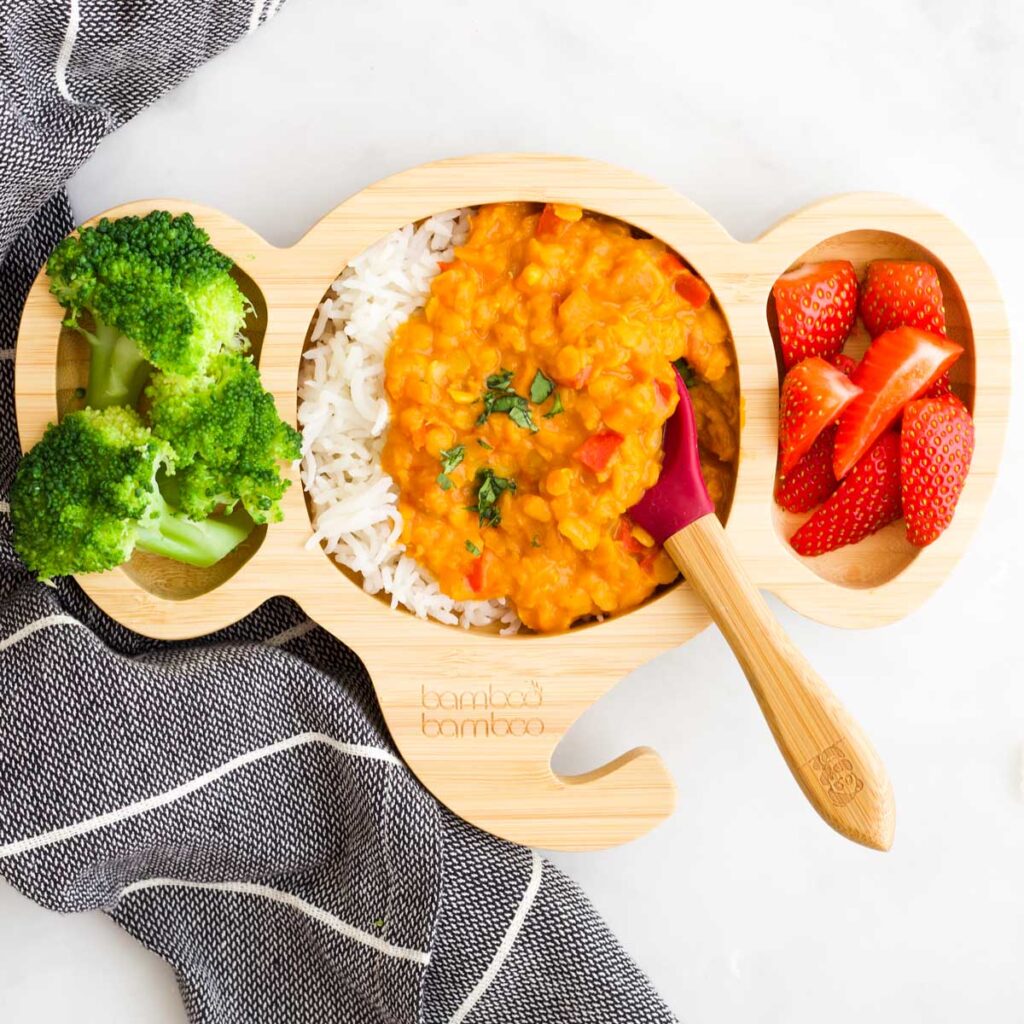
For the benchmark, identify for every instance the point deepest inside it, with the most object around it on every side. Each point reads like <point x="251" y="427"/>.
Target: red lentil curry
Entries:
<point x="528" y="400"/>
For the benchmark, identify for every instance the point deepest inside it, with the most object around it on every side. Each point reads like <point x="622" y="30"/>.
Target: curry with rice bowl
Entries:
<point x="526" y="402"/>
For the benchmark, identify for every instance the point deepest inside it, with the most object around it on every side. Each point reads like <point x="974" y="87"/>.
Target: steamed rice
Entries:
<point x="343" y="415"/>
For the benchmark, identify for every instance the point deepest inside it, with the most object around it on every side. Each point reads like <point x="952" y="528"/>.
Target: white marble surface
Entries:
<point x="743" y="907"/>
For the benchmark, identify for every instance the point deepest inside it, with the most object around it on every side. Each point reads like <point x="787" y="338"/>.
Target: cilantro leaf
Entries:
<point x="451" y="457"/>
<point x="556" y="407"/>
<point x="472" y="549"/>
<point x="541" y="387"/>
<point x="520" y="416"/>
<point x="687" y="372"/>
<point x="483" y="444"/>
<point x="501" y="398"/>
<point x="501" y="381"/>
<point x="489" y="490"/>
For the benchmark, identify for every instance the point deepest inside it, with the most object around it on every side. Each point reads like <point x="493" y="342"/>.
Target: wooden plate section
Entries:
<point x="477" y="716"/>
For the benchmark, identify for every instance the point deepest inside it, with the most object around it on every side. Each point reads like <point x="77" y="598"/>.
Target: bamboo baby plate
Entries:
<point x="475" y="715"/>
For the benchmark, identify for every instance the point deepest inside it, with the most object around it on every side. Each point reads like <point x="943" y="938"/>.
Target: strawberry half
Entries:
<point x="814" y="393"/>
<point x="867" y="500"/>
<point x="936" y="445"/>
<point x="942" y="387"/>
<point x="902" y="293"/>
<point x="811" y="480"/>
<point x="898" y="366"/>
<point x="816" y="305"/>
<point x="845" y="363"/>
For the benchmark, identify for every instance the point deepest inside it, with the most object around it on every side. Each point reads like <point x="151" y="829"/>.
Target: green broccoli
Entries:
<point x="227" y="437"/>
<point x="89" y="493"/>
<point x="156" y="292"/>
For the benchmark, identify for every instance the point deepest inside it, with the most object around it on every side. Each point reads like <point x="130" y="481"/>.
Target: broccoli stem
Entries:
<point x="117" y="369"/>
<point x="173" y="535"/>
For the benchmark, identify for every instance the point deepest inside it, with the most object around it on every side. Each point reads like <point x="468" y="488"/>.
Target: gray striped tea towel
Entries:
<point x="235" y="803"/>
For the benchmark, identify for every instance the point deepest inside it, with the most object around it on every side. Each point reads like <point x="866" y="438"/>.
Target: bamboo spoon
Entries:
<point x="827" y="752"/>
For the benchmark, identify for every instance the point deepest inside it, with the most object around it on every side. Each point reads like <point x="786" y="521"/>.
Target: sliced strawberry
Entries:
<point x="936" y="445"/>
<point x="902" y="293"/>
<point x="811" y="480"/>
<point x="846" y="364"/>
<point x="899" y="366"/>
<point x="867" y="500"/>
<point x="814" y="393"/>
<point x="816" y="306"/>
<point x="942" y="387"/>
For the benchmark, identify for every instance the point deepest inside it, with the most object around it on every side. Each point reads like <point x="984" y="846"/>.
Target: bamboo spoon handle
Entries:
<point x="830" y="757"/>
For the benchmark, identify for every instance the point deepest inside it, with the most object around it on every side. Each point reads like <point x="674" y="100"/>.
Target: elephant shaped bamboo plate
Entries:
<point x="477" y="716"/>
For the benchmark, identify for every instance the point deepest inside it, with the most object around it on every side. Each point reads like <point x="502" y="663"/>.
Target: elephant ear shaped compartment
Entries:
<point x="883" y="576"/>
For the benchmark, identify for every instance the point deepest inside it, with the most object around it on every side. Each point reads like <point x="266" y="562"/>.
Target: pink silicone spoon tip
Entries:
<point x="680" y="496"/>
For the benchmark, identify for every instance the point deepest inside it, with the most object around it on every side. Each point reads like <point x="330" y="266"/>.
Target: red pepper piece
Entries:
<point x="692" y="289"/>
<point x="598" y="449"/>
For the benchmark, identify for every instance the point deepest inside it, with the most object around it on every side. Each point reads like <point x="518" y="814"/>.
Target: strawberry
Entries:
<point x="902" y="293"/>
<point x="940" y="388"/>
<point x="936" y="445"/>
<point x="811" y="480"/>
<point x="816" y="305"/>
<point x="867" y="500"/>
<point x="844" y="363"/>
<point x="899" y="366"/>
<point x="814" y="393"/>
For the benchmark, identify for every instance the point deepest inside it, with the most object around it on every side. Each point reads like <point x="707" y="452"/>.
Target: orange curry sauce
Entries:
<point x="601" y="315"/>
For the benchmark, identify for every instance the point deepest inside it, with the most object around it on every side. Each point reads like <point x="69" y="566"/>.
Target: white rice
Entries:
<point x="344" y="414"/>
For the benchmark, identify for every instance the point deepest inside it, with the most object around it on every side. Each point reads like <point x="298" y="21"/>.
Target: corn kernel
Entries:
<point x="568" y="213"/>
<point x="640" y="534"/>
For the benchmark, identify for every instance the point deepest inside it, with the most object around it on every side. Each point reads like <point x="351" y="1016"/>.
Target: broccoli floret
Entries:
<point x="156" y="292"/>
<point x="227" y="437"/>
<point x="88" y="494"/>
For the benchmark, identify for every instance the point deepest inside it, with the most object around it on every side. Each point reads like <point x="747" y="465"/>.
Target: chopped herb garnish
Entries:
<point x="472" y="549"/>
<point x="686" y="371"/>
<point x="541" y="387"/>
<point x="450" y="458"/>
<point x="556" y="407"/>
<point x="520" y="416"/>
<point x="501" y="397"/>
<point x="489" y="490"/>
<point x="535" y="541"/>
<point x="483" y="444"/>
<point x="501" y="381"/>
